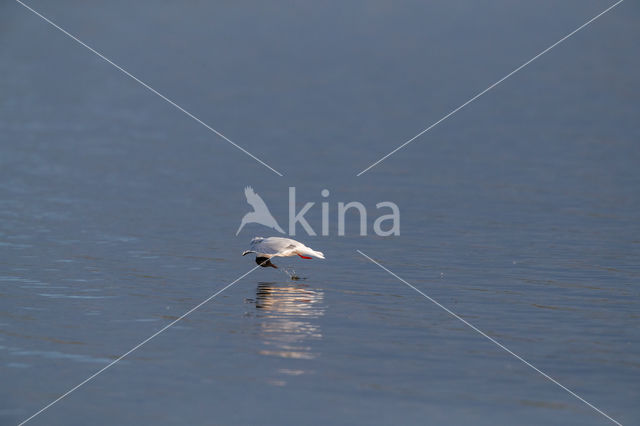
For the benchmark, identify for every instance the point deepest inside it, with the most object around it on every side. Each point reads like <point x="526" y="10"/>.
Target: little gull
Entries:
<point x="266" y="248"/>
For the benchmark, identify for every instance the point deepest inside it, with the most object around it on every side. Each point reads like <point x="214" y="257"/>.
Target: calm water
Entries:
<point x="521" y="213"/>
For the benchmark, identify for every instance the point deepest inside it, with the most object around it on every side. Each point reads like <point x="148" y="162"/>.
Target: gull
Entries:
<point x="266" y="248"/>
<point x="260" y="213"/>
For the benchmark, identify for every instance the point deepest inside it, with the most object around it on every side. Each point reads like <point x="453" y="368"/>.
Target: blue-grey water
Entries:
<point x="520" y="213"/>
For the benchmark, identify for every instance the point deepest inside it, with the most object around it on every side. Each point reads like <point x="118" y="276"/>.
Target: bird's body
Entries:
<point x="266" y="248"/>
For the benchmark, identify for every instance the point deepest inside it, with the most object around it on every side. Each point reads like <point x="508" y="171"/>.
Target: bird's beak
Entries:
<point x="245" y="253"/>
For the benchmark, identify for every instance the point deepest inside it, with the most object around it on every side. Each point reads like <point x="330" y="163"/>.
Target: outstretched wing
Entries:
<point x="255" y="200"/>
<point x="272" y="246"/>
<point x="259" y="246"/>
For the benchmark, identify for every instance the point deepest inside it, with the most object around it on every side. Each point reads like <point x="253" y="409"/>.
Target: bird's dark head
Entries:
<point x="265" y="262"/>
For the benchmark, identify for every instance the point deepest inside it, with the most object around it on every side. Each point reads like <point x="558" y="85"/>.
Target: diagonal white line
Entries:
<point x="111" y="364"/>
<point x="500" y="345"/>
<point x="151" y="89"/>
<point x="491" y="87"/>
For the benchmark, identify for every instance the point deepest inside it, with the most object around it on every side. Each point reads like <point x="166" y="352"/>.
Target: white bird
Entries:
<point x="266" y="248"/>
<point x="260" y="213"/>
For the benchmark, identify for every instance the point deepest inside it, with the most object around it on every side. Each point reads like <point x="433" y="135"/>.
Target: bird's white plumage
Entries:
<point x="280" y="247"/>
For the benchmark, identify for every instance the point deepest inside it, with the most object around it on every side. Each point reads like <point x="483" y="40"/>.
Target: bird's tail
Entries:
<point x="310" y="252"/>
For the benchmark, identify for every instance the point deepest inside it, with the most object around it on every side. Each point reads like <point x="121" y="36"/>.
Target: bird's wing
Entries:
<point x="256" y="240"/>
<point x="254" y="199"/>
<point x="274" y="246"/>
<point x="289" y="250"/>
<point x="265" y="246"/>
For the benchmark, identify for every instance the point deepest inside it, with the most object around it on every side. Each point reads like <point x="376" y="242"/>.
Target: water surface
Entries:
<point x="519" y="213"/>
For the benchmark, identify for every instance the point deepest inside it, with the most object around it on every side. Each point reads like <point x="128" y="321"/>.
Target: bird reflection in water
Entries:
<point x="288" y="328"/>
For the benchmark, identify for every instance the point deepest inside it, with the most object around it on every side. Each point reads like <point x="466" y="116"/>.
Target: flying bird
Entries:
<point x="266" y="248"/>
<point x="260" y="213"/>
